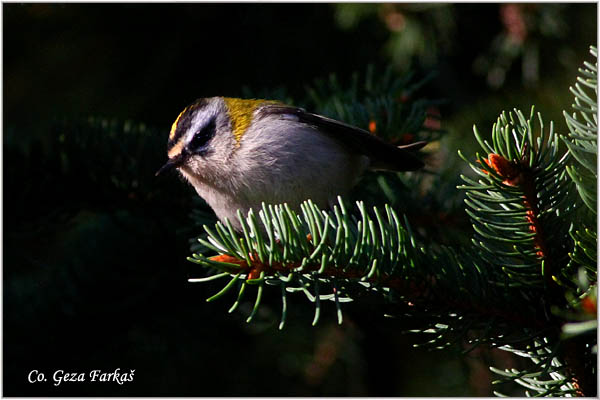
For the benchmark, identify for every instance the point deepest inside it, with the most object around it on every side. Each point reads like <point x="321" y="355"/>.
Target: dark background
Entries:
<point x="94" y="247"/>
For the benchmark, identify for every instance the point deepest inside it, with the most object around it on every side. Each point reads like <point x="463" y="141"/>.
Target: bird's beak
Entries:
<point x="172" y="163"/>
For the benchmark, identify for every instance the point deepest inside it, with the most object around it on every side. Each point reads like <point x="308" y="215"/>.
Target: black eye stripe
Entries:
<point x="202" y="137"/>
<point x="185" y="121"/>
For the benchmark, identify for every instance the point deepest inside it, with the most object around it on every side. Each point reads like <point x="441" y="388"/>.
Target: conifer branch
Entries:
<point x="503" y="292"/>
<point x="514" y="207"/>
<point x="583" y="133"/>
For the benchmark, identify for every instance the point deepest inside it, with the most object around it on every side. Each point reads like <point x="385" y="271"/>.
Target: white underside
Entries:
<point x="287" y="162"/>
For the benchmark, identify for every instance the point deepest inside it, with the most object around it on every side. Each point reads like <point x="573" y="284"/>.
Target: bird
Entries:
<point x="240" y="153"/>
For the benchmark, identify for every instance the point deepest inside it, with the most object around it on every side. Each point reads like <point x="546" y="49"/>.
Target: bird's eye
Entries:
<point x="202" y="137"/>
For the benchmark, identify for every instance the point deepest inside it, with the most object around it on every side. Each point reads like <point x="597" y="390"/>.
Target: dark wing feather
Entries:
<point x="384" y="156"/>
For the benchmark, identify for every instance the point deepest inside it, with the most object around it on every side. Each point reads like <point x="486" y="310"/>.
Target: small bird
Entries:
<point x="239" y="153"/>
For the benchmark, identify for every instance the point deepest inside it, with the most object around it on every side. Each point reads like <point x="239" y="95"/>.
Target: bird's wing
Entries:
<point x="384" y="156"/>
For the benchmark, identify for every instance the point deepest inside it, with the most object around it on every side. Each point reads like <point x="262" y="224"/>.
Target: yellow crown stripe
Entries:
<point x="241" y="113"/>
<point x="174" y="126"/>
